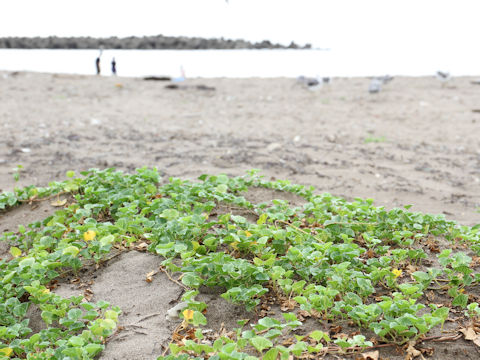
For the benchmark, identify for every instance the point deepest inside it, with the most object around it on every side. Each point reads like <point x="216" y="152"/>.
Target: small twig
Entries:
<point x="139" y="332"/>
<point x="239" y="208"/>
<point x="338" y="349"/>
<point x="439" y="338"/>
<point x="135" y="326"/>
<point x="116" y="332"/>
<point x="298" y="229"/>
<point x="352" y="223"/>
<point x="148" y="317"/>
<point x="120" y="252"/>
<point x="162" y="269"/>
<point x="43" y="198"/>
<point x="91" y="263"/>
<point x="437" y="288"/>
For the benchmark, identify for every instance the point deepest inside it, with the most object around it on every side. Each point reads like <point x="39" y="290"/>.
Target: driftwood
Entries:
<point x="185" y="87"/>
<point x="157" y="78"/>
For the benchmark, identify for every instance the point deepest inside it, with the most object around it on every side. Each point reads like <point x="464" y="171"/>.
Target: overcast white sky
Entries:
<point x="410" y="24"/>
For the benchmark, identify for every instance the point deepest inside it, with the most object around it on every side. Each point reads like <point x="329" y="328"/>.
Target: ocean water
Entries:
<point x="241" y="63"/>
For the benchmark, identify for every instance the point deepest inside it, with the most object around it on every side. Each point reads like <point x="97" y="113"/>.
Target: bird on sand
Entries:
<point x="375" y="86"/>
<point x="313" y="84"/>
<point x="443" y="76"/>
<point x="385" y="79"/>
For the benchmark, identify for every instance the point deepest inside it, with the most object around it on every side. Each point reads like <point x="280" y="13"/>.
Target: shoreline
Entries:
<point x="472" y="78"/>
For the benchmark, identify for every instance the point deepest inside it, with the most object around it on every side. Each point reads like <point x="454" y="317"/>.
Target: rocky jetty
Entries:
<point x="132" y="42"/>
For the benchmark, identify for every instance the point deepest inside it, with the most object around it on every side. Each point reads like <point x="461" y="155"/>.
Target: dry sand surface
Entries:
<point x="428" y="152"/>
<point x="416" y="142"/>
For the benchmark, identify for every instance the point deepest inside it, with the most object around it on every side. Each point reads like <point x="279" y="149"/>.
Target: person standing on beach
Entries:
<point x="97" y="63"/>
<point x="114" y="67"/>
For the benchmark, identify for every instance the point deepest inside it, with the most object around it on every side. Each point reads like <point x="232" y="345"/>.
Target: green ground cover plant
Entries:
<point x="330" y="259"/>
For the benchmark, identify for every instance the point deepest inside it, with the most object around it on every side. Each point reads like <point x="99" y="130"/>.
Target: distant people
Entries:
<point x="97" y="64"/>
<point x="114" y="67"/>
<point x="182" y="76"/>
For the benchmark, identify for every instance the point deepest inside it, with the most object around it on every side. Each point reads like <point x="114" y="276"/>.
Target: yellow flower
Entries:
<point x="45" y="291"/>
<point x="397" y="273"/>
<point x="461" y="291"/>
<point x="89" y="235"/>
<point x="248" y="233"/>
<point x="187" y="314"/>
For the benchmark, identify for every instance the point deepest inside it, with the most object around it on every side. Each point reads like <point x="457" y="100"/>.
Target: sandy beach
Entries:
<point x="416" y="142"/>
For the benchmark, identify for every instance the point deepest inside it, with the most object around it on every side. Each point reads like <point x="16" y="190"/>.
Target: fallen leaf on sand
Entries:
<point x="149" y="277"/>
<point x="412" y="353"/>
<point x="59" y="202"/>
<point x="411" y="268"/>
<point x="469" y="333"/>
<point x="87" y="294"/>
<point x="288" y="305"/>
<point x="427" y="351"/>
<point x="302" y="315"/>
<point x="335" y="329"/>
<point x="288" y="342"/>
<point x="142" y="246"/>
<point x="371" y="355"/>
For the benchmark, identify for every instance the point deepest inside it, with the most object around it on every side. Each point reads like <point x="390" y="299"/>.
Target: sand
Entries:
<point x="416" y="142"/>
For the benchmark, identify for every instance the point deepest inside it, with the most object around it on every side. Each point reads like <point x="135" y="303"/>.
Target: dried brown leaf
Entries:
<point x="302" y="315"/>
<point x="288" y="342"/>
<point x="476" y="341"/>
<point x="371" y="355"/>
<point x="370" y="253"/>
<point x="190" y="334"/>
<point x="141" y="246"/>
<point x="335" y="329"/>
<point x="412" y="353"/>
<point x="430" y="296"/>
<point x="411" y="268"/>
<point x="432" y="245"/>
<point x="88" y="294"/>
<point x="315" y="314"/>
<point x="58" y="202"/>
<point x="469" y="333"/>
<point x="149" y="277"/>
<point x="288" y="305"/>
<point x="427" y="351"/>
<point x="340" y="336"/>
